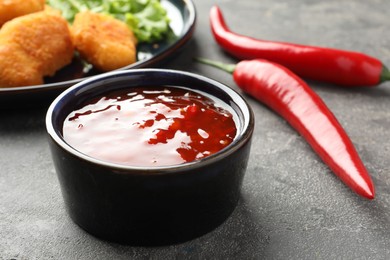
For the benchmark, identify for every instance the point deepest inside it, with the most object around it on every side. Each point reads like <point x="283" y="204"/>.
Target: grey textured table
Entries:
<point x="292" y="206"/>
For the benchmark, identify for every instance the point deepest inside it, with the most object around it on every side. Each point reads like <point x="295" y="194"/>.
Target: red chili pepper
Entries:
<point x="290" y="97"/>
<point x="345" y="68"/>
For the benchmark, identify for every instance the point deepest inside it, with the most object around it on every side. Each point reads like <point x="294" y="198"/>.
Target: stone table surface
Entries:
<point x="291" y="207"/>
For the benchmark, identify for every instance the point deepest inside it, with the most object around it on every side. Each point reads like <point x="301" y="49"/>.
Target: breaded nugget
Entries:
<point x="52" y="10"/>
<point x="42" y="37"/>
<point x="10" y="9"/>
<point x="17" y="68"/>
<point x="103" y="41"/>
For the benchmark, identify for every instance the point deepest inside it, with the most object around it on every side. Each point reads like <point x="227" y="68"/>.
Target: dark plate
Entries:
<point x="183" y="17"/>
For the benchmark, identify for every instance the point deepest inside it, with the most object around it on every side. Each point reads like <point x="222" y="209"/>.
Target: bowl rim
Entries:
<point x="243" y="137"/>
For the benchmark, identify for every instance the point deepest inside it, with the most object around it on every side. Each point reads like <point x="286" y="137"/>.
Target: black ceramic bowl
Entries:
<point x="149" y="205"/>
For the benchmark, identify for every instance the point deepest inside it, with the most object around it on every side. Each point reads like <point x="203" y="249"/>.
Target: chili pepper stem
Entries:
<point x="223" y="66"/>
<point x="385" y="75"/>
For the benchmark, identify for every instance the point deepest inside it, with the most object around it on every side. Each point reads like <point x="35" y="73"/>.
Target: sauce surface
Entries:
<point x="150" y="127"/>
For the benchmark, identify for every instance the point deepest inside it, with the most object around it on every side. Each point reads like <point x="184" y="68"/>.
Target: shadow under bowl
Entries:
<point x="149" y="205"/>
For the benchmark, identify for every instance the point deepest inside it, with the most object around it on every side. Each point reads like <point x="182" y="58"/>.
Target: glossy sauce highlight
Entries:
<point x="150" y="127"/>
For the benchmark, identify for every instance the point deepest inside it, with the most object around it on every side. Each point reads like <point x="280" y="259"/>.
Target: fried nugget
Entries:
<point x="17" y="68"/>
<point x="10" y="9"/>
<point x="52" y="10"/>
<point x="42" y="43"/>
<point x="103" y="41"/>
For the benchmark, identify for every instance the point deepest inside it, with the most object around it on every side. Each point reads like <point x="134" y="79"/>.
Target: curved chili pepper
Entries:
<point x="290" y="97"/>
<point x="345" y="68"/>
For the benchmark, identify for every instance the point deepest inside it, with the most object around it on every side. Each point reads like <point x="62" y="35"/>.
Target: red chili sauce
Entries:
<point x="150" y="127"/>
